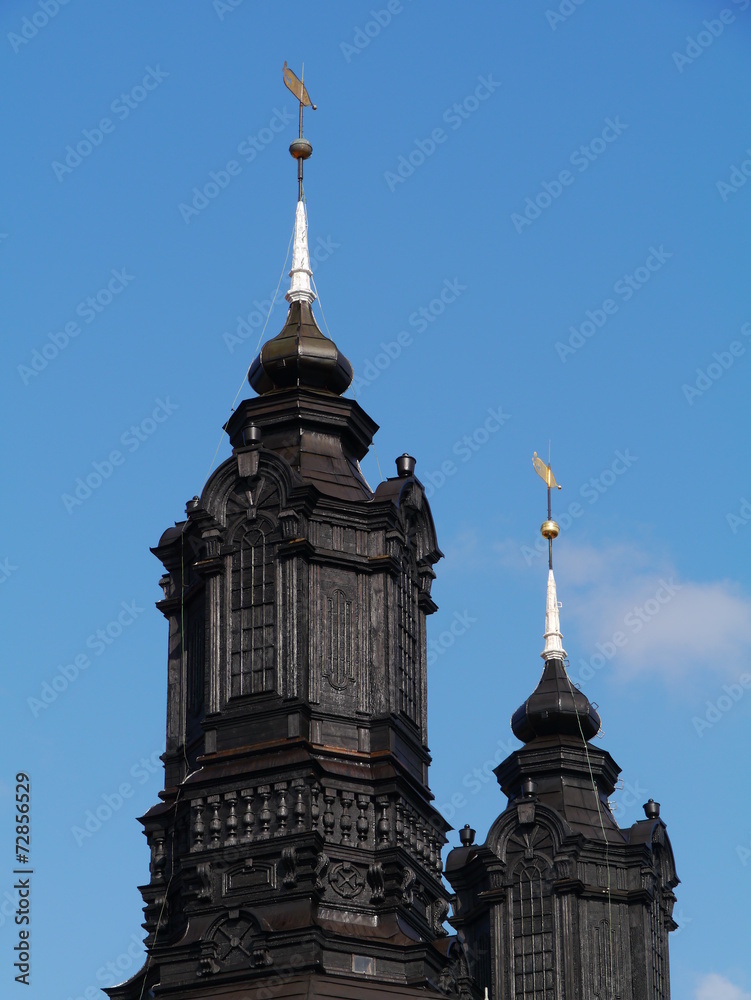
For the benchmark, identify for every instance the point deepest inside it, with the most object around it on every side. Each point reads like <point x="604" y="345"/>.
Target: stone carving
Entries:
<point x="198" y="827"/>
<point x="345" y="823"/>
<point x="384" y="827"/>
<point x="322" y="865"/>
<point x="248" y="817"/>
<point x="376" y="883"/>
<point x="298" y="809"/>
<point x="204" y="877"/>
<point x="215" y="826"/>
<point x="439" y="912"/>
<point x="238" y="817"/>
<point x="234" y="943"/>
<point x="289" y="867"/>
<point x="455" y="979"/>
<point x="282" y="812"/>
<point x="408" y="882"/>
<point x="338" y="615"/>
<point x="346" y="880"/>
<point x="362" y="825"/>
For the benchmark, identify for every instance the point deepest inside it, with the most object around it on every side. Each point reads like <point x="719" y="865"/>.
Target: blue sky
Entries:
<point x="530" y="223"/>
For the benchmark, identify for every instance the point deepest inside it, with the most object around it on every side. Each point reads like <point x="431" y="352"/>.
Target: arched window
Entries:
<point x="533" y="935"/>
<point x="253" y="601"/>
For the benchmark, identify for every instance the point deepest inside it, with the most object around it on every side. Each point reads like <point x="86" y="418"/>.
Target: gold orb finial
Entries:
<point x="549" y="529"/>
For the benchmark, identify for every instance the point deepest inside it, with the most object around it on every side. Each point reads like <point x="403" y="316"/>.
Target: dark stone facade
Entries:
<point x="296" y="835"/>
<point x="296" y="851"/>
<point x="559" y="903"/>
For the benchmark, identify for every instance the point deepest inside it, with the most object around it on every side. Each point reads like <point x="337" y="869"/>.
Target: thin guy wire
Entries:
<point x="260" y="338"/>
<point x="604" y="837"/>
<point x="182" y="613"/>
<point x="354" y="391"/>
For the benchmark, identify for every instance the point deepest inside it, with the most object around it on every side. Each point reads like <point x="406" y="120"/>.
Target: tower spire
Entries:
<point x="558" y="844"/>
<point x="299" y="289"/>
<point x="553" y="639"/>
<point x="300" y="149"/>
<point x="555" y="707"/>
<point x="300" y="356"/>
<point x="549" y="529"/>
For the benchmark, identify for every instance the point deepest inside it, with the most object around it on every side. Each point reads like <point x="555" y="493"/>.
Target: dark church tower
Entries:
<point x="296" y="851"/>
<point x="560" y="903"/>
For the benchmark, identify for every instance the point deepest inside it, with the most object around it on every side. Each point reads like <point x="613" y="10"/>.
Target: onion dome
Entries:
<point x="300" y="355"/>
<point x="555" y="707"/>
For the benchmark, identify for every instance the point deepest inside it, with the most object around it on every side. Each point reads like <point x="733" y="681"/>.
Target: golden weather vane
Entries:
<point x="549" y="529"/>
<point x="300" y="148"/>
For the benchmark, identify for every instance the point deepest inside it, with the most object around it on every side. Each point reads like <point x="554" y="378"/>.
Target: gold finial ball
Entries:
<point x="300" y="149"/>
<point x="549" y="529"/>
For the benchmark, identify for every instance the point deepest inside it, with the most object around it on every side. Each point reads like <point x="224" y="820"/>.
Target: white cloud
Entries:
<point x="716" y="987"/>
<point x="664" y="623"/>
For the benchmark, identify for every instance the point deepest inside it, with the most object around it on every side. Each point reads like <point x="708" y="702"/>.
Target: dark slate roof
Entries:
<point x="563" y="769"/>
<point x="300" y="356"/>
<point x="555" y="707"/>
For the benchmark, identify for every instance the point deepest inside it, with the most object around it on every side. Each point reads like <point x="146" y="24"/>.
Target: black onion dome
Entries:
<point x="300" y="356"/>
<point x="553" y="710"/>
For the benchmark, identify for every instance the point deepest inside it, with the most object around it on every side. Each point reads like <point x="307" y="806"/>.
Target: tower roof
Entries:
<point x="555" y="707"/>
<point x="300" y="355"/>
